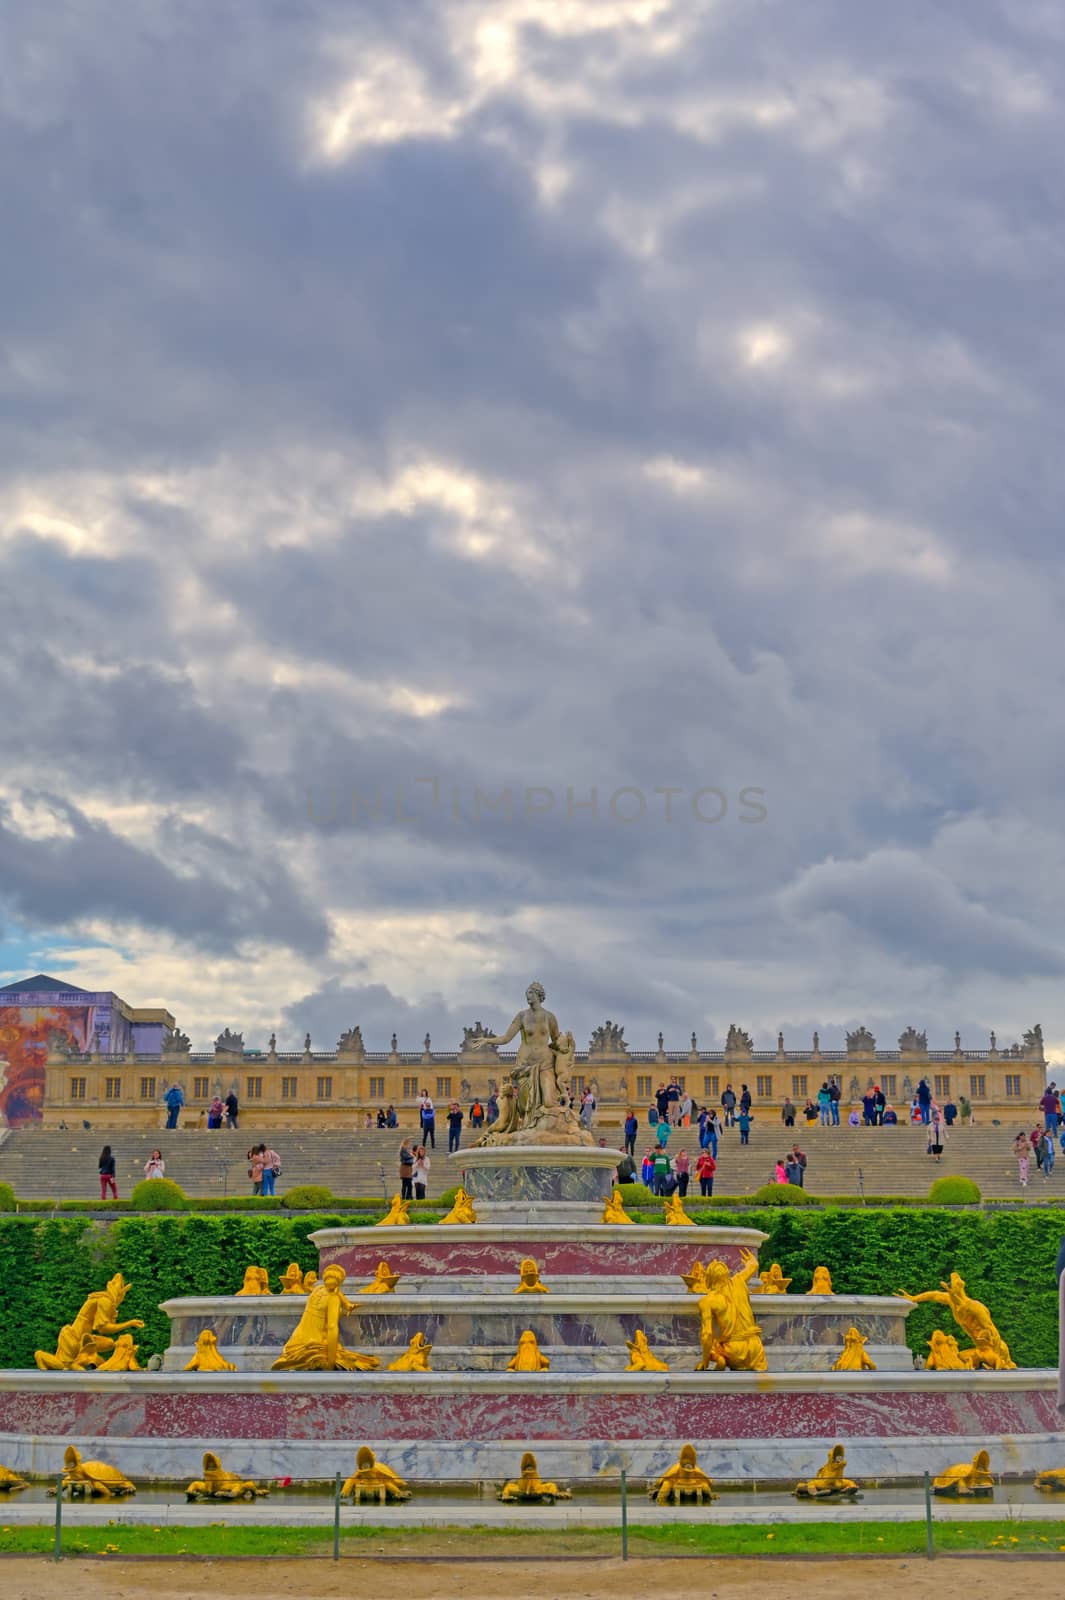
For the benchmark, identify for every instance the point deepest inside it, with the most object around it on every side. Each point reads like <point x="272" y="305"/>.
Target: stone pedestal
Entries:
<point x="537" y="1183"/>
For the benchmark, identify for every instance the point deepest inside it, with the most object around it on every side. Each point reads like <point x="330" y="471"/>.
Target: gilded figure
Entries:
<point x="972" y="1316"/>
<point x="462" y="1211"/>
<point x="529" y="1281"/>
<point x="10" y="1482"/>
<point x="729" y="1335"/>
<point x="218" y="1484"/>
<point x="383" y="1281"/>
<point x="256" y="1281"/>
<point x="92" y="1333"/>
<point x="530" y="1488"/>
<point x="208" y="1357"/>
<point x="695" y="1280"/>
<point x="640" y="1357"/>
<point x="674" y="1212"/>
<point x="314" y="1344"/>
<point x="415" y="1358"/>
<point x="853" y="1358"/>
<point x="830" y="1483"/>
<point x="614" y="1209"/>
<point x="372" y="1480"/>
<point x="822" y="1283"/>
<point x="528" y="1357"/>
<point x="397" y="1215"/>
<point x="684" y="1480"/>
<point x="292" y="1279"/>
<point x="969" y="1480"/>
<point x="310" y="1281"/>
<point x="770" y="1281"/>
<point x="943" y="1353"/>
<point x="97" y="1479"/>
<point x="123" y="1357"/>
<point x="1051" y="1481"/>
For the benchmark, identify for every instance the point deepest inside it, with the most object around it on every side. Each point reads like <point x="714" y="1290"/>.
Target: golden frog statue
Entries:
<point x="675" y="1214"/>
<point x="640" y="1357"/>
<point x="685" y="1480"/>
<point x="123" y="1357"/>
<point x="462" y="1211"/>
<point x="770" y="1281"/>
<point x="969" y="1480"/>
<point x="208" y="1357"/>
<point x="1051" y="1482"/>
<point x="314" y="1345"/>
<point x="397" y="1215"/>
<point x="528" y="1357"/>
<point x="292" y="1279"/>
<point x="729" y="1335"/>
<point x="822" y="1283"/>
<point x="415" y="1358"/>
<point x="972" y="1316"/>
<point x="256" y="1281"/>
<point x="695" y="1280"/>
<point x="530" y="1488"/>
<point x="943" y="1354"/>
<point x="10" y="1482"/>
<point x="383" y="1281"/>
<point x="853" y="1357"/>
<point x="94" y="1478"/>
<point x="218" y="1484"/>
<point x="372" y="1480"/>
<point x="830" y="1483"/>
<point x="529" y="1279"/>
<point x="614" y="1210"/>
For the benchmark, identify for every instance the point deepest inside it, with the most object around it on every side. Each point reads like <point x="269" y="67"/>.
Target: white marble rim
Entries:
<point x="673" y="1301"/>
<point x="699" y="1237"/>
<point x="536" y="1155"/>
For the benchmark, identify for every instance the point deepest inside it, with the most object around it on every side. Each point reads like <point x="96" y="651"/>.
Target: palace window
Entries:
<point x="643" y="1088"/>
<point x="77" y="1088"/>
<point x="978" y="1086"/>
<point x="798" y="1084"/>
<point x="254" y="1090"/>
<point x="1013" y="1086"/>
<point x="942" y="1084"/>
<point x="888" y="1083"/>
<point x="680" y="1083"/>
<point x="763" y="1085"/>
<point x="112" y="1088"/>
<point x="147" y="1088"/>
<point x="577" y="1085"/>
<point x="325" y="1088"/>
<point x="201" y="1088"/>
<point x="288" y="1089"/>
<point x="377" y="1088"/>
<point x="711" y="1087"/>
<point x="443" y="1088"/>
<point x="410" y="1088"/>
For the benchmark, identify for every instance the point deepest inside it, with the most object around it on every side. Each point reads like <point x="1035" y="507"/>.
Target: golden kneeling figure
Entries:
<point x="728" y="1333"/>
<point x="771" y="1281"/>
<point x="969" y="1480"/>
<point x="462" y="1211"/>
<point x="415" y="1358"/>
<point x="256" y="1281"/>
<point x="528" y="1356"/>
<point x="853" y="1357"/>
<point x="397" y="1216"/>
<point x="208" y="1357"/>
<point x="822" y="1283"/>
<point x="529" y="1279"/>
<point x="614" y="1209"/>
<point x="292" y="1279"/>
<point x="674" y="1212"/>
<point x="94" y="1478"/>
<point x="10" y="1482"/>
<point x="530" y="1488"/>
<point x="829" y="1483"/>
<point x="640" y="1357"/>
<point x="217" y="1484"/>
<point x="685" y="1480"/>
<point x="314" y="1345"/>
<point x="372" y="1480"/>
<point x="944" y="1355"/>
<point x="383" y="1281"/>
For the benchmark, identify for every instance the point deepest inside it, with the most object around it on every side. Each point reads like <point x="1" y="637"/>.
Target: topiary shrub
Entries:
<point x="308" y="1197"/>
<point x="954" y="1191"/>
<point x="157" y="1194"/>
<point x="7" y="1197"/>
<point x="447" y="1199"/>
<point x="636" y="1194"/>
<point x="782" y="1194"/>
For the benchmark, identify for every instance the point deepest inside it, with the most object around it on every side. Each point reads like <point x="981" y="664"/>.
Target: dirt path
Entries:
<point x="978" y="1578"/>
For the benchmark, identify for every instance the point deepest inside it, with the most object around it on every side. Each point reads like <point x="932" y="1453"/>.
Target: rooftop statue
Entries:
<point x="218" y="1484"/>
<point x="397" y="1215"/>
<point x="861" y="1042"/>
<point x="534" y="1102"/>
<point x="969" y="1480"/>
<point x="738" y="1041"/>
<point x="529" y="1279"/>
<point x="674" y="1212"/>
<point x="640" y="1357"/>
<point x="94" y="1478"/>
<point x="528" y="1356"/>
<point x="729" y="1335"/>
<point x="372" y="1480"/>
<point x="208" y="1357"/>
<point x="530" y="1488"/>
<point x="614" y="1209"/>
<point x="256" y="1281"/>
<point x="685" y="1480"/>
<point x="462" y="1211"/>
<point x="853" y="1357"/>
<point x="383" y="1281"/>
<point x="913" y="1042"/>
<point x="973" y="1317"/>
<point x="609" y="1039"/>
<point x="176" y="1043"/>
<point x="351" y="1042"/>
<point x="229" y="1043"/>
<point x="314" y="1345"/>
<point x="829" y="1483"/>
<point x="415" y="1358"/>
<point x="770" y="1281"/>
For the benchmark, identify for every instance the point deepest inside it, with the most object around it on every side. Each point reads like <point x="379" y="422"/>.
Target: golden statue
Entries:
<point x="462" y="1210"/>
<point x="93" y="1478"/>
<point x="970" y="1480"/>
<point x="292" y="1279"/>
<point x="217" y="1484"/>
<point x="695" y="1279"/>
<point x="10" y="1482"/>
<point x="640" y="1357"/>
<point x="208" y="1357"/>
<point x="397" y="1216"/>
<point x="614" y="1209"/>
<point x="530" y="1488"/>
<point x="729" y="1335"/>
<point x="685" y="1480"/>
<point x="853" y="1357"/>
<point x="822" y="1283"/>
<point x="829" y="1483"/>
<point x="315" y="1345"/>
<point x="529" y="1279"/>
<point x="372" y="1480"/>
<point x="415" y="1358"/>
<point x="383" y="1281"/>
<point x="674" y="1212"/>
<point x="93" y="1331"/>
<point x="1051" y="1482"/>
<point x="256" y="1281"/>
<point x="770" y="1281"/>
<point x="310" y="1281"/>
<point x="944" y="1355"/>
<point x="123" y="1357"/>
<point x="973" y="1317"/>
<point x="528" y="1356"/>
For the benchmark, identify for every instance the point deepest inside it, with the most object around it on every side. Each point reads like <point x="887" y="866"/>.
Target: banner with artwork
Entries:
<point x="25" y="1032"/>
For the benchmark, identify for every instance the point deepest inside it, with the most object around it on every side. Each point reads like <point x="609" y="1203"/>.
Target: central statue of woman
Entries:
<point x="535" y="1100"/>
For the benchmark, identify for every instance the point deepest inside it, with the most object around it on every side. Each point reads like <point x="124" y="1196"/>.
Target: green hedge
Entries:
<point x="954" y="1191"/>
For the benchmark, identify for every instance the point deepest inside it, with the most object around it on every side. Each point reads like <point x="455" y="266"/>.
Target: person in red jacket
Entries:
<point x="705" y="1168"/>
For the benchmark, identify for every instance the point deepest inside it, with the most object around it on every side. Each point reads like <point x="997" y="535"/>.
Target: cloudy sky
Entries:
<point x="404" y="406"/>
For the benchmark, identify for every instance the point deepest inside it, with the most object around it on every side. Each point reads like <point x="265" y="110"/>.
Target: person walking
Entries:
<point x="477" y="1116"/>
<point x="924" y="1100"/>
<point x="787" y="1113"/>
<point x="673" y="1102"/>
<point x="744" y="1120"/>
<point x="879" y="1104"/>
<point x="824" y="1104"/>
<point x="175" y="1099"/>
<point x="155" y="1166"/>
<point x="1048" y="1155"/>
<point x="255" y="1167"/>
<point x="491" y="1109"/>
<point x="587" y="1109"/>
<point x="271" y="1169"/>
<point x="799" y="1158"/>
<point x="835" y="1091"/>
<point x="421" y="1172"/>
<point x="406" y="1171"/>
<point x="686" y="1108"/>
<point x="662" y="1169"/>
<point x="427" y="1116"/>
<point x="780" y="1174"/>
<point x="632" y="1128"/>
<point x="647" y="1170"/>
<point x="682" y="1168"/>
<point x="1023" y="1151"/>
<point x="454" y="1127"/>
<point x="745" y="1098"/>
<point x="728" y="1105"/>
<point x="936" y="1135"/>
<point x="215" y="1112"/>
<point x="232" y="1109"/>
<point x="705" y="1168"/>
<point x="107" y="1173"/>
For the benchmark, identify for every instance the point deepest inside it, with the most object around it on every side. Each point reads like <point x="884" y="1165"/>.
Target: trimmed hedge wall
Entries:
<point x="48" y="1265"/>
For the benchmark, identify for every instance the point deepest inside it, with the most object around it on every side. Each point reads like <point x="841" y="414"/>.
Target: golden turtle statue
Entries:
<point x="528" y="1357"/>
<point x="372" y="1480"/>
<point x="10" y="1482"/>
<point x="218" y="1484"/>
<point x="1051" y="1482"/>
<point x="208" y="1357"/>
<point x="830" y="1483"/>
<point x="684" y="1480"/>
<point x="640" y="1357"/>
<point x="94" y="1478"/>
<point x="530" y="1489"/>
<point x="969" y="1480"/>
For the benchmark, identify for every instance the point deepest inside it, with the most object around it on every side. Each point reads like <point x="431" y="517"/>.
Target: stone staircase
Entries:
<point x="60" y="1164"/>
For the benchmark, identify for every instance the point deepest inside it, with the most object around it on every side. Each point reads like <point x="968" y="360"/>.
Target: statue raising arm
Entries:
<point x="487" y="1039"/>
